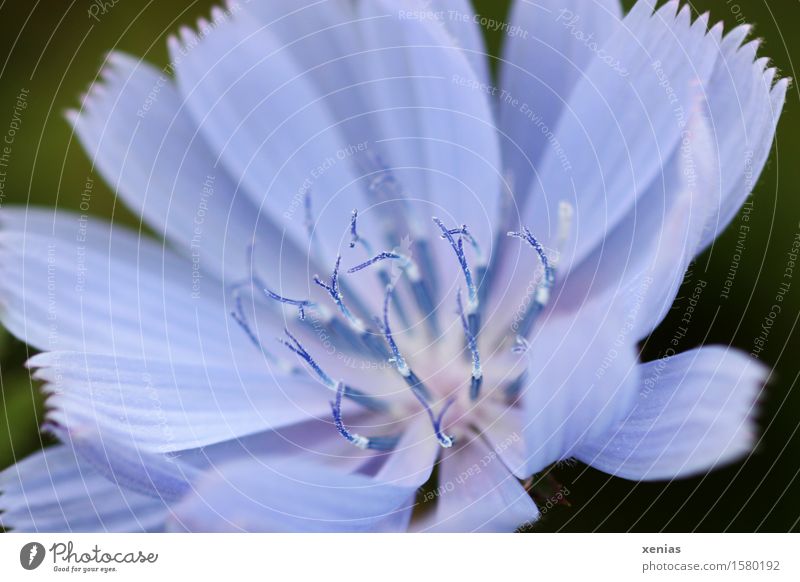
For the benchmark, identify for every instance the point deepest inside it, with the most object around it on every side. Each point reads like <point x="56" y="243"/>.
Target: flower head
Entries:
<point x="376" y="260"/>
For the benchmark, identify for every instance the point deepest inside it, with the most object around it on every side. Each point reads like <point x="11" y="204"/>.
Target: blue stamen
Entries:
<point x="354" y="394"/>
<point x="301" y="352"/>
<point x="530" y="317"/>
<point x="383" y="276"/>
<point x="354" y="236"/>
<point x="437" y="427"/>
<point x="301" y="304"/>
<point x="383" y="256"/>
<point x="446" y="441"/>
<point x="381" y="443"/>
<point x="528" y="237"/>
<point x="482" y="265"/>
<point x="417" y="387"/>
<point x="542" y="294"/>
<point x="425" y="302"/>
<point x="464" y="231"/>
<point x="420" y="291"/>
<point x="473" y="302"/>
<point x="367" y="337"/>
<point x="336" y="295"/>
<point x="398" y="359"/>
<point x="458" y="248"/>
<point x="472" y="343"/>
<point x="385" y="187"/>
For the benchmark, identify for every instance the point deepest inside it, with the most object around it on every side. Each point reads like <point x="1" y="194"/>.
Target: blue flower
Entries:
<point x="375" y="259"/>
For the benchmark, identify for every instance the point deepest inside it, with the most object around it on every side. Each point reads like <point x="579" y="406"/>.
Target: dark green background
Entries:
<point x="54" y="49"/>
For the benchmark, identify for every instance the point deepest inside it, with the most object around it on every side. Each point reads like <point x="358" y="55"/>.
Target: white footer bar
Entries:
<point x="329" y="558"/>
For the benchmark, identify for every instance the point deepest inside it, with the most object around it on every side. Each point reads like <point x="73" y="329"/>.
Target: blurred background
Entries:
<point x="51" y="52"/>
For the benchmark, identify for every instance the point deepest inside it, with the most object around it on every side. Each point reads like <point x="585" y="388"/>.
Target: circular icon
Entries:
<point x="31" y="555"/>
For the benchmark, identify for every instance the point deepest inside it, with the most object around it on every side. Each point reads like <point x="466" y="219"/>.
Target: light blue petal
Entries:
<point x="273" y="496"/>
<point x="644" y="259"/>
<point x="619" y="129"/>
<point x="461" y="21"/>
<point x="120" y="461"/>
<point x="268" y="125"/>
<point x="476" y="493"/>
<point x="715" y="168"/>
<point x="135" y="127"/>
<point x="169" y="406"/>
<point x="502" y="427"/>
<point x="317" y="441"/>
<point x="694" y="412"/>
<point x="51" y="491"/>
<point x="324" y="38"/>
<point x="327" y="43"/>
<point x="582" y="377"/>
<point x="77" y="284"/>
<point x="435" y="135"/>
<point x="744" y="106"/>
<point x="436" y="119"/>
<point x="544" y="57"/>
<point x="411" y="462"/>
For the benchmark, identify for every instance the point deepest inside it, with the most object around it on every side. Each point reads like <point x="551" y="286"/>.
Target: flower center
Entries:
<point x="444" y="376"/>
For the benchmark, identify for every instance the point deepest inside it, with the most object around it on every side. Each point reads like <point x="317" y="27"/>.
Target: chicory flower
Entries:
<point x="371" y="259"/>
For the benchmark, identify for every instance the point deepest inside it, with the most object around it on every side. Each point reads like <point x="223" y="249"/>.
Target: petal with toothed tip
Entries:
<point x="54" y="491"/>
<point x="694" y="412"/>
